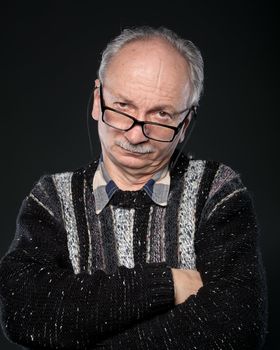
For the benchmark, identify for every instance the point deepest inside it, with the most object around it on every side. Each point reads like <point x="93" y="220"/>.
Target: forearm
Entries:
<point x="44" y="302"/>
<point x="229" y="311"/>
<point x="221" y="316"/>
<point x="84" y="308"/>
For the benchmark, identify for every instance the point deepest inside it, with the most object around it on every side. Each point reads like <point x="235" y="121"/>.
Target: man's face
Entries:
<point x="146" y="78"/>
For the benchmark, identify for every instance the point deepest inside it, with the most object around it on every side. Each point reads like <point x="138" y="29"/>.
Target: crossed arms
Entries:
<point x="45" y="304"/>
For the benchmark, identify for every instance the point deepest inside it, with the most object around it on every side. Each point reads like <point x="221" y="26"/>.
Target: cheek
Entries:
<point x="164" y="149"/>
<point x="107" y="135"/>
<point x="103" y="131"/>
<point x="170" y="148"/>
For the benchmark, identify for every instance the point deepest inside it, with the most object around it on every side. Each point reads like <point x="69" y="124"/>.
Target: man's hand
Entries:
<point x="186" y="283"/>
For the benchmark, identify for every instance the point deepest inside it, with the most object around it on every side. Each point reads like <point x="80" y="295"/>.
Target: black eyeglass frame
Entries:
<point x="176" y="129"/>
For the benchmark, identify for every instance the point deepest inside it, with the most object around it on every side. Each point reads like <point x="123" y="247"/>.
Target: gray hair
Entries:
<point x="185" y="47"/>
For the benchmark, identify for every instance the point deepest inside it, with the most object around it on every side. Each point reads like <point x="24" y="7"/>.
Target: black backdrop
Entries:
<point x="49" y="56"/>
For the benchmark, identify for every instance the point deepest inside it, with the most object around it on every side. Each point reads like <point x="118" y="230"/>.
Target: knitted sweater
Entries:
<point x="74" y="279"/>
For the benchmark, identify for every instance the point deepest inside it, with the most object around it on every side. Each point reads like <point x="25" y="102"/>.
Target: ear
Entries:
<point x="96" y="111"/>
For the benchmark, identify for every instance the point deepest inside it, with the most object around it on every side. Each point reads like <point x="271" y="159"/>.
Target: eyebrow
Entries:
<point x="154" y="108"/>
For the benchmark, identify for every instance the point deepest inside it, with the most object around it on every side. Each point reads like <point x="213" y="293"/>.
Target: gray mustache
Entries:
<point x="135" y="148"/>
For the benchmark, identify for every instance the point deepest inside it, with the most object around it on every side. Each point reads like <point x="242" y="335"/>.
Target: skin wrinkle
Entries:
<point x="175" y="61"/>
<point x="152" y="80"/>
<point x="158" y="78"/>
<point x="113" y="97"/>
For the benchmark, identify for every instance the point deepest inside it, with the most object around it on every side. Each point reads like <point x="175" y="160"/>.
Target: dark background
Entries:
<point x="50" y="52"/>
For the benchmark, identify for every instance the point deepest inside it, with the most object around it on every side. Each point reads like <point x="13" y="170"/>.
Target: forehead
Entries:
<point x="149" y="66"/>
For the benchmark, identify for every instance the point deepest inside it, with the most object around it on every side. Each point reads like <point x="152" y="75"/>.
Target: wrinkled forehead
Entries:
<point x="151" y="65"/>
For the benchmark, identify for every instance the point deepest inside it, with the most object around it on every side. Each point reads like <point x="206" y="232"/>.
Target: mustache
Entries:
<point x="135" y="148"/>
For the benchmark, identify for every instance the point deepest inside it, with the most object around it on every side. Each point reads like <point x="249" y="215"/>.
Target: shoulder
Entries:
<point x="49" y="182"/>
<point x="222" y="175"/>
<point x="218" y="191"/>
<point x="50" y="189"/>
<point x="220" y="178"/>
<point x="210" y="179"/>
<point x="224" y="191"/>
<point x="206" y="170"/>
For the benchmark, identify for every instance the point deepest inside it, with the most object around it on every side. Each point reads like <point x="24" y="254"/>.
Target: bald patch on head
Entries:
<point x="152" y="63"/>
<point x="150" y="49"/>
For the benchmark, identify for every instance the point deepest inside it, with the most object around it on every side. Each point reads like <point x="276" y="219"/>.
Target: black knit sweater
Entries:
<point x="73" y="279"/>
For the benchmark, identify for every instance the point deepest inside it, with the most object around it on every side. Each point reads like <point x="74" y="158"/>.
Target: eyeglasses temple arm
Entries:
<point x="193" y="122"/>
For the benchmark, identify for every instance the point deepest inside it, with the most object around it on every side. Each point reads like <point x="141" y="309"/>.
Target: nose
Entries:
<point x="135" y="135"/>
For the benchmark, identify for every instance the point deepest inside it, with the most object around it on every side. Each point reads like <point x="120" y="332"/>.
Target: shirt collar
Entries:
<point x="104" y="187"/>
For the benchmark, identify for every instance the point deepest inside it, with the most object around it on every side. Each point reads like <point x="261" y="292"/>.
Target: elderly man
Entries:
<point x="143" y="248"/>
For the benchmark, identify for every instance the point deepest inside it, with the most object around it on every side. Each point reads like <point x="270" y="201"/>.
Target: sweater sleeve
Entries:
<point x="229" y="311"/>
<point x="45" y="304"/>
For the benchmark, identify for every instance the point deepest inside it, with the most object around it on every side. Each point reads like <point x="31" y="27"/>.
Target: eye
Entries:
<point x="164" y="115"/>
<point x="122" y="105"/>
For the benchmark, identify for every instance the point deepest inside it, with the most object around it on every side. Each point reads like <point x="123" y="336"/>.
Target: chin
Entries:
<point x="133" y="161"/>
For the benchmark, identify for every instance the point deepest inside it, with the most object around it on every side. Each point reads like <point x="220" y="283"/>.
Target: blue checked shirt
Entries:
<point x="104" y="187"/>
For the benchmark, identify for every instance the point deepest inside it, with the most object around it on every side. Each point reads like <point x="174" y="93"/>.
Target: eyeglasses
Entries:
<point x="152" y="130"/>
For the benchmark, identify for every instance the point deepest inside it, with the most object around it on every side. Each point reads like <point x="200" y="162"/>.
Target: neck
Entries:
<point x="130" y="179"/>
